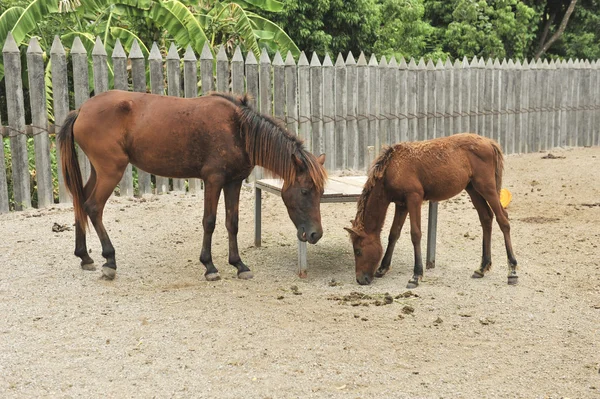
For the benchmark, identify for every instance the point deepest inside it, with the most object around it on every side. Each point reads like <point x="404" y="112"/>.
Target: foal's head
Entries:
<point x="302" y="193"/>
<point x="367" y="253"/>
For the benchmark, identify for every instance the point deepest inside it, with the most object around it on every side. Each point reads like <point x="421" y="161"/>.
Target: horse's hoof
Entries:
<point x="88" y="266"/>
<point x="380" y="272"/>
<point x="108" y="273"/>
<point x="412" y="284"/>
<point x="247" y="275"/>
<point x="212" y="276"/>
<point x="477" y="274"/>
<point x="513" y="280"/>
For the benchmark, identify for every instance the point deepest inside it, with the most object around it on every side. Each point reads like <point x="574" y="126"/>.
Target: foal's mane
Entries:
<point x="269" y="144"/>
<point x="375" y="174"/>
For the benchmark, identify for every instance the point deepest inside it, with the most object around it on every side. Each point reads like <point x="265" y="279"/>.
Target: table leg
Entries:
<point x="302" y="262"/>
<point x="257" y="216"/>
<point x="431" y="234"/>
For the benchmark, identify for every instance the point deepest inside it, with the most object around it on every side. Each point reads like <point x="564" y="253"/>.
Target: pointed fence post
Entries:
<point x="304" y="100"/>
<point x="474" y="95"/>
<point x="421" y="100"/>
<point x="596" y="101"/>
<point x="393" y="75"/>
<point x="121" y="79"/>
<point x="534" y="116"/>
<point x="341" y="96"/>
<point x="237" y="72"/>
<point x="39" y="119"/>
<point x="411" y="100"/>
<point x="488" y="99"/>
<point x="252" y="79"/>
<point x="366" y="137"/>
<point x="457" y="126"/>
<point x="525" y="71"/>
<point x="480" y="94"/>
<point x="503" y="104"/>
<point x="16" y="122"/>
<point x="508" y="144"/>
<point x="518" y="105"/>
<point x="352" y="101"/>
<point x="543" y="105"/>
<point x="138" y="77"/>
<point x="584" y="93"/>
<point x="382" y="138"/>
<point x="100" y="67"/>
<point x="222" y="70"/>
<point x="174" y="89"/>
<point x="402" y="101"/>
<point x="82" y="93"/>
<point x="449" y="98"/>
<point x="264" y="84"/>
<point x="278" y="87"/>
<point x="430" y="127"/>
<point x="553" y="103"/>
<point x="316" y="104"/>
<point x="60" y="97"/>
<point x="328" y="113"/>
<point x="465" y="94"/>
<point x="291" y="88"/>
<point x="190" y="88"/>
<point x="374" y="109"/>
<point x="157" y="85"/>
<point x="496" y="100"/>
<point x="440" y="99"/>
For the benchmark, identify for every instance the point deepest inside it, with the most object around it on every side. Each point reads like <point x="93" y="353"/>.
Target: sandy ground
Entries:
<point x="160" y="330"/>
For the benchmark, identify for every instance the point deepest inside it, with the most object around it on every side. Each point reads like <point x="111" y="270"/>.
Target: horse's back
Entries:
<point x="164" y="135"/>
<point x="439" y="168"/>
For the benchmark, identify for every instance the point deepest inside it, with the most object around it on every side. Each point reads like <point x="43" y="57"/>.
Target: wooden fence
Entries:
<point x="348" y="110"/>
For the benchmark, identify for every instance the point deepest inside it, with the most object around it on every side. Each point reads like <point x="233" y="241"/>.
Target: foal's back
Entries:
<point x="439" y="169"/>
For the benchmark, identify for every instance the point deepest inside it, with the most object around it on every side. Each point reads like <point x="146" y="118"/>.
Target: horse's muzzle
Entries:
<point x="312" y="236"/>
<point x="363" y="279"/>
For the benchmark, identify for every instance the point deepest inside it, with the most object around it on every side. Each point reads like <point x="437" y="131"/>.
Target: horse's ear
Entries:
<point x="321" y="159"/>
<point x="354" y="232"/>
<point x="298" y="162"/>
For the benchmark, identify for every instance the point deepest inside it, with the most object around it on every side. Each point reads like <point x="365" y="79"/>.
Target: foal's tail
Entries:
<point x="499" y="163"/>
<point x="71" y="170"/>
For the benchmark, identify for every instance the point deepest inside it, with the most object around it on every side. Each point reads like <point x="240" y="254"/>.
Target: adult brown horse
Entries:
<point x="217" y="138"/>
<point x="435" y="170"/>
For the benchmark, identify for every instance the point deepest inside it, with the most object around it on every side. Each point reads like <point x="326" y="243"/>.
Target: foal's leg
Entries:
<point x="212" y="192"/>
<point x="87" y="263"/>
<point x="485" y="218"/>
<point x="232" y="202"/>
<point x="493" y="199"/>
<point x="399" y="218"/>
<point x="94" y="206"/>
<point x="413" y="203"/>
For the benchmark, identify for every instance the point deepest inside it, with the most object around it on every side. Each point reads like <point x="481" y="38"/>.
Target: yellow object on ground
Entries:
<point x="505" y="197"/>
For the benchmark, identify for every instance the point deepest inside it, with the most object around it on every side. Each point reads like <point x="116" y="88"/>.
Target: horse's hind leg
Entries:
<point x="94" y="206"/>
<point x="485" y="218"/>
<point x="493" y="199"/>
<point x="232" y="202"/>
<point x="87" y="263"/>
<point x="399" y="218"/>
<point x="212" y="192"/>
<point x="413" y="203"/>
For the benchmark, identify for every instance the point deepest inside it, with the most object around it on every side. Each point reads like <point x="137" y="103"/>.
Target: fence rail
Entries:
<point x="348" y="110"/>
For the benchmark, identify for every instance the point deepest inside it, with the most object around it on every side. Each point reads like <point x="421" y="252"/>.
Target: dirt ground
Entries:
<point x="160" y="330"/>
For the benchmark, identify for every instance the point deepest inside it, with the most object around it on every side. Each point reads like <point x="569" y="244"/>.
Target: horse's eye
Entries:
<point x="304" y="191"/>
<point x="357" y="252"/>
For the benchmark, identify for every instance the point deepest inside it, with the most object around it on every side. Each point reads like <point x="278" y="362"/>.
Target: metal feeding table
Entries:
<point x="337" y="189"/>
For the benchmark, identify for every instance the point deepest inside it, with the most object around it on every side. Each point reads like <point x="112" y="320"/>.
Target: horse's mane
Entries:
<point x="270" y="145"/>
<point x="375" y="174"/>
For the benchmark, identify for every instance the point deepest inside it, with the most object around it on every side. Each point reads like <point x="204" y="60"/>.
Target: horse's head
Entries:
<point x="367" y="253"/>
<point x="302" y="197"/>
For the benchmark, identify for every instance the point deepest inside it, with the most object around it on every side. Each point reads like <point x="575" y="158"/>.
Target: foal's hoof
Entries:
<point x="381" y="272"/>
<point x="247" y="275"/>
<point x="412" y="284"/>
<point x="477" y="274"/>
<point x="90" y="266"/>
<point x="212" y="276"/>
<point x="513" y="280"/>
<point x="108" y="273"/>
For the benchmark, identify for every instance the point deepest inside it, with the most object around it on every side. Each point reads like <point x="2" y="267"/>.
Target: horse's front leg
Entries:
<point x="414" y="210"/>
<point x="399" y="218"/>
<point x="232" y="207"/>
<point x="212" y="192"/>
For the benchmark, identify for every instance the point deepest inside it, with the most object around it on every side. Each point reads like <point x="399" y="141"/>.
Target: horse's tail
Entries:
<point x="71" y="170"/>
<point x="499" y="163"/>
